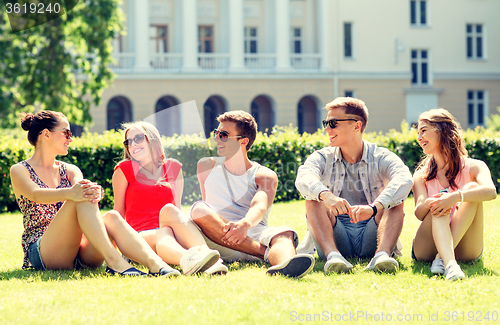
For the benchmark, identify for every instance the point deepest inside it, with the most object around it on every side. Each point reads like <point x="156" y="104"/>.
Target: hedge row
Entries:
<point x="283" y="151"/>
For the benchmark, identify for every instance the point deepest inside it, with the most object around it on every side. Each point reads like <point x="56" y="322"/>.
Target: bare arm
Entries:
<point x="420" y="194"/>
<point x="179" y="188"/>
<point x="267" y="182"/>
<point x="204" y="167"/>
<point x="120" y="185"/>
<point x="82" y="190"/>
<point x="480" y="173"/>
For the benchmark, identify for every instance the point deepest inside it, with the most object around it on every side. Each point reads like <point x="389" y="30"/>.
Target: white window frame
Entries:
<point x="249" y="39"/>
<point x="474" y="35"/>
<point x="420" y="61"/>
<point x="418" y="14"/>
<point x="475" y="101"/>
<point x="351" y="57"/>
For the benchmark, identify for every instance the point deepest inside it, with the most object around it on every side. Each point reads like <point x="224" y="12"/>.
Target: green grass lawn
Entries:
<point x="247" y="296"/>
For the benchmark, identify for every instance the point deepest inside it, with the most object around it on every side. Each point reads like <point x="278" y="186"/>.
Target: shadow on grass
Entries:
<point x="470" y="269"/>
<point x="58" y="275"/>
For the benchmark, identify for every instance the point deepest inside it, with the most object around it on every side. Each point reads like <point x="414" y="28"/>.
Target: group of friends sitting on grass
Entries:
<point x="354" y="194"/>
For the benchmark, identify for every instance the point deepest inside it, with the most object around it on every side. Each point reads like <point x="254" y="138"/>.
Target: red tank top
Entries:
<point x="144" y="197"/>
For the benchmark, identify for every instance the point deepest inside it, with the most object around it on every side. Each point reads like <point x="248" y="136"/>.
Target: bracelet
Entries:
<point x="461" y="196"/>
<point x="374" y="208"/>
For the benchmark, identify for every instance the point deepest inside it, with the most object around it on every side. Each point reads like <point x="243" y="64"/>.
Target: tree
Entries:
<point x="62" y="65"/>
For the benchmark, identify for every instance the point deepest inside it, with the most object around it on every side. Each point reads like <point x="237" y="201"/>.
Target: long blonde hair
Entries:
<point x="152" y="137"/>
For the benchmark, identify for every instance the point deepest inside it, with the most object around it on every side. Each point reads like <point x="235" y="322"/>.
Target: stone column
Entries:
<point x="282" y="35"/>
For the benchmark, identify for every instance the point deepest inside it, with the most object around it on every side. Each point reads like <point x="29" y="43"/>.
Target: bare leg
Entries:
<point x="423" y="244"/>
<point x="281" y="248"/>
<point x="466" y="232"/>
<point x="167" y="246"/>
<point x="390" y="224"/>
<point x="212" y="226"/>
<point x="441" y="234"/>
<point x="467" y="228"/>
<point x="321" y="223"/>
<point x="130" y="243"/>
<point x="61" y="242"/>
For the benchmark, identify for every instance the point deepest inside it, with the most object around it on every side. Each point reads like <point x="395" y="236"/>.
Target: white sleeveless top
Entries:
<point x="232" y="202"/>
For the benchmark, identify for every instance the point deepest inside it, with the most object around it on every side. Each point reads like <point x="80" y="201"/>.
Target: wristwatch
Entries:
<point x="374" y="210"/>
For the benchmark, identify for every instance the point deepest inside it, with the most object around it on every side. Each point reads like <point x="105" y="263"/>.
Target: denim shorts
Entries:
<point x="353" y="239"/>
<point x="36" y="261"/>
<point x="35" y="257"/>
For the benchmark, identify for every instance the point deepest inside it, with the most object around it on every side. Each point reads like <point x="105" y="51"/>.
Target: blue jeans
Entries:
<point x="353" y="239"/>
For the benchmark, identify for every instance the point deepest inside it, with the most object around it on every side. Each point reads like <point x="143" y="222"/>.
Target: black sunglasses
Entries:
<point x="334" y="121"/>
<point x="67" y="132"/>
<point x="224" y="135"/>
<point x="137" y="139"/>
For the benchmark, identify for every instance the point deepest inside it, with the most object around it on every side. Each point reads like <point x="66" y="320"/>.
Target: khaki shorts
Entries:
<point x="260" y="233"/>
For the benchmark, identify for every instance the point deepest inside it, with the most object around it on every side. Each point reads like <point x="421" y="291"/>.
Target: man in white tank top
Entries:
<point x="237" y="198"/>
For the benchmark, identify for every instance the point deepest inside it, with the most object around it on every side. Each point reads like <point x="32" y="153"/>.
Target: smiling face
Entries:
<point x="138" y="151"/>
<point x="233" y="144"/>
<point x="428" y="138"/>
<point x="59" y="139"/>
<point x="344" y="132"/>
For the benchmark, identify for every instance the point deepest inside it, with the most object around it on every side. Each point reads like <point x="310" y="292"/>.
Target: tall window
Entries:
<point x="251" y="40"/>
<point x="205" y="39"/>
<point x="474" y="41"/>
<point x="476" y="107"/>
<point x="418" y="12"/>
<point x="158" y="39"/>
<point x="348" y="40"/>
<point x="296" y="40"/>
<point x="119" y="110"/>
<point x="419" y="67"/>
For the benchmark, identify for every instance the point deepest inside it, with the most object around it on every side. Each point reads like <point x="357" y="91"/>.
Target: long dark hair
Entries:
<point x="451" y="145"/>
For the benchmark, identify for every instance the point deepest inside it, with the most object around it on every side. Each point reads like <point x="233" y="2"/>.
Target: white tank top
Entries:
<point x="232" y="202"/>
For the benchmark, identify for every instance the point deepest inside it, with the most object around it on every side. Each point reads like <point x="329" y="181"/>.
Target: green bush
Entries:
<point x="283" y="151"/>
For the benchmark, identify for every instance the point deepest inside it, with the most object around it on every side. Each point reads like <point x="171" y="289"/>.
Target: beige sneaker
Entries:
<point x="337" y="264"/>
<point x="198" y="259"/>
<point x="217" y="269"/>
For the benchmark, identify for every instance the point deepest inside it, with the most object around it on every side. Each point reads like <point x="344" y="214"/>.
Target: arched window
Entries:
<point x="263" y="112"/>
<point x="308" y="117"/>
<point x="168" y="116"/>
<point x="119" y="111"/>
<point x="213" y="107"/>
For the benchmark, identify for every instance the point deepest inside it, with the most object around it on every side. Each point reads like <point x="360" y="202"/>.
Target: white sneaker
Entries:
<point x="383" y="263"/>
<point x="437" y="266"/>
<point x="337" y="264"/>
<point x="296" y="267"/>
<point x="453" y="272"/>
<point x="217" y="269"/>
<point x="197" y="260"/>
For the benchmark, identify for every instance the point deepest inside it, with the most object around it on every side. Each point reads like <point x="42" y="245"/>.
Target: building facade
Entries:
<point x="283" y="60"/>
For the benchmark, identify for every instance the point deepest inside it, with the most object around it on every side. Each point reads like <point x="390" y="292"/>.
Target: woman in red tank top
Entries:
<point x="449" y="189"/>
<point x="148" y="191"/>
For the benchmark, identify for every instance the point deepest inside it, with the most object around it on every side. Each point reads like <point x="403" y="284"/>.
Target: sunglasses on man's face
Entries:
<point x="224" y="135"/>
<point x="137" y="139"/>
<point x="334" y="121"/>
<point x="67" y="132"/>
